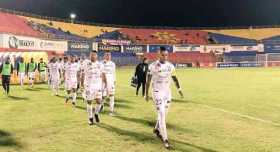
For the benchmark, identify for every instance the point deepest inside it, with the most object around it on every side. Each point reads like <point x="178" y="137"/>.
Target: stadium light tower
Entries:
<point x="73" y="17"/>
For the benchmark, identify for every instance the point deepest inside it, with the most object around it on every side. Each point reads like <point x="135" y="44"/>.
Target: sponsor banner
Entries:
<point x="111" y="48"/>
<point x="217" y="49"/>
<point x="135" y="48"/>
<point x="20" y="42"/>
<point x="115" y="42"/>
<point x="259" y="48"/>
<point x="183" y="65"/>
<point x="1" y="40"/>
<point x="79" y="46"/>
<point x="234" y="65"/>
<point x="272" y="48"/>
<point x="53" y="45"/>
<point x="155" y="48"/>
<point x="187" y="48"/>
<point x="95" y="46"/>
<point x="29" y="43"/>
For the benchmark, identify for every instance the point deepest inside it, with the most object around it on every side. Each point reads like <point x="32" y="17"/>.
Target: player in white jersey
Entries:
<point x="110" y="73"/>
<point x="54" y="70"/>
<point x="94" y="78"/>
<point x="70" y="77"/>
<point x="160" y="74"/>
<point x="84" y="62"/>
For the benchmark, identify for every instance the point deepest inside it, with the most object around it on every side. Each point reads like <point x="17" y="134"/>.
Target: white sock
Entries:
<point x="162" y="122"/>
<point x="97" y="109"/>
<point x="112" y="103"/>
<point x="90" y="110"/>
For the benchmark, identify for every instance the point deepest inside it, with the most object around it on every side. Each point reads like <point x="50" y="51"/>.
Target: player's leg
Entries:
<point x="8" y="84"/>
<point x="4" y="83"/>
<point x="138" y="87"/>
<point x="90" y="112"/>
<point x="143" y="88"/>
<point x="21" y="79"/>
<point x="74" y="96"/>
<point x="98" y="98"/>
<point x="111" y="92"/>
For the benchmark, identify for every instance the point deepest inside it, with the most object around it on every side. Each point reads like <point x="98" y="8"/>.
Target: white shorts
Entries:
<point x="162" y="98"/>
<point x="109" y="90"/>
<point x="70" y="84"/>
<point x="21" y="75"/>
<point x="92" y="92"/>
<point x="31" y="75"/>
<point x="43" y="74"/>
<point x="55" y="80"/>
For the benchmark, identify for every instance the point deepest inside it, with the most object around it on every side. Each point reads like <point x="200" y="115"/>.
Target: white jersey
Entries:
<point x="71" y="71"/>
<point x="110" y="70"/>
<point x="54" y="69"/>
<point x="83" y="64"/>
<point x="93" y="73"/>
<point x="161" y="76"/>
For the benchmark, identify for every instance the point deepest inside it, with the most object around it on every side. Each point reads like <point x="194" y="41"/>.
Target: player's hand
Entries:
<point x="181" y="94"/>
<point x="147" y="98"/>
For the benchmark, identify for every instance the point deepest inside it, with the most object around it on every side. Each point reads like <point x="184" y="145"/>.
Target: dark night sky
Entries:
<point x="189" y="13"/>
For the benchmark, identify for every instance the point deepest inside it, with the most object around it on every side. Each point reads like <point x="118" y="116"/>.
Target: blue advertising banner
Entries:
<point x="272" y="48"/>
<point x="79" y="46"/>
<point x="135" y="48"/>
<point x="111" y="48"/>
<point x="234" y="65"/>
<point x="155" y="48"/>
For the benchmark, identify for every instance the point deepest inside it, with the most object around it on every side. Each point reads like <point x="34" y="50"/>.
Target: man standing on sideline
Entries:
<point x="141" y="73"/>
<point x="21" y="71"/>
<point x="160" y="74"/>
<point x="31" y="68"/>
<point x="42" y="70"/>
<point x="6" y="69"/>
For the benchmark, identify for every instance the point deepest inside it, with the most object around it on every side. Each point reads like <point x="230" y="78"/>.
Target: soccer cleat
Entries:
<point x="96" y="118"/>
<point x="156" y="131"/>
<point x="73" y="103"/>
<point x="166" y="144"/>
<point x="66" y="100"/>
<point x="90" y="121"/>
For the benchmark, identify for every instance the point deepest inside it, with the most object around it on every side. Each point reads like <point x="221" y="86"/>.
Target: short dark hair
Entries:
<point x="162" y="48"/>
<point x="93" y="51"/>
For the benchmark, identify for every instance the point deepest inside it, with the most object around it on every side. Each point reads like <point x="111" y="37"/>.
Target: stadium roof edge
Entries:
<point x="129" y="26"/>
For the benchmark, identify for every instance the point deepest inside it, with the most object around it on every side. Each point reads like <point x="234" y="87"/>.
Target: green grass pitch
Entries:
<point x="224" y="110"/>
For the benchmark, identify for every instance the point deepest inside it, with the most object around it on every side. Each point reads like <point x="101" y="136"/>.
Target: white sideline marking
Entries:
<point x="243" y="115"/>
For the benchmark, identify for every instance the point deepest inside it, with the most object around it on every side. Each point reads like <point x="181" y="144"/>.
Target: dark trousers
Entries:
<point x="6" y="83"/>
<point x="143" y="83"/>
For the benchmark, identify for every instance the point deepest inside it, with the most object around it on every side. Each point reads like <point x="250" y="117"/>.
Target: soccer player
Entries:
<point x="110" y="73"/>
<point x="71" y="72"/>
<point x="160" y="74"/>
<point x="94" y="78"/>
<point x="21" y="71"/>
<point x="6" y="69"/>
<point x="42" y="70"/>
<point x="31" y="68"/>
<point x="55" y="75"/>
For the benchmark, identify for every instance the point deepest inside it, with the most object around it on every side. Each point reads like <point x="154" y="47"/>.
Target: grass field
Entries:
<point x="224" y="110"/>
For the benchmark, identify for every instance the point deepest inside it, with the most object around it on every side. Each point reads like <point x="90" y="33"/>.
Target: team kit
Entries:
<point x="95" y="80"/>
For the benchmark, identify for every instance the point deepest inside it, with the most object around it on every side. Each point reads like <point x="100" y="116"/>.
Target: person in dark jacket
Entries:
<point x="6" y="70"/>
<point x="141" y="73"/>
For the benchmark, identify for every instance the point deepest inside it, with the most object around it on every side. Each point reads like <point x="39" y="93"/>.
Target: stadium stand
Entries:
<point x="87" y="31"/>
<point x="13" y="24"/>
<point x="225" y="39"/>
<point x="161" y="36"/>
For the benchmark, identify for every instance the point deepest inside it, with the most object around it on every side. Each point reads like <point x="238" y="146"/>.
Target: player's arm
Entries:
<point x="149" y="79"/>
<point x="104" y="79"/>
<point x="27" y="68"/>
<point x="12" y="69"/>
<point x="177" y="84"/>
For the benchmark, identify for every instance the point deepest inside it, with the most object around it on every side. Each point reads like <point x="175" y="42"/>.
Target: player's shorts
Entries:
<point x="92" y="92"/>
<point x="21" y="75"/>
<point x="70" y="84"/>
<point x="43" y="74"/>
<point x="31" y="75"/>
<point x="162" y="98"/>
<point x="55" y="80"/>
<point x="109" y="90"/>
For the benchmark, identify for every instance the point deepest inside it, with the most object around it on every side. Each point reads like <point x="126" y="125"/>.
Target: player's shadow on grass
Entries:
<point x="153" y="123"/>
<point x="141" y="137"/>
<point x="7" y="140"/>
<point x="17" y="98"/>
<point x="117" y="105"/>
<point x="41" y="88"/>
<point x="180" y="101"/>
<point x="122" y="100"/>
<point x="32" y="89"/>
